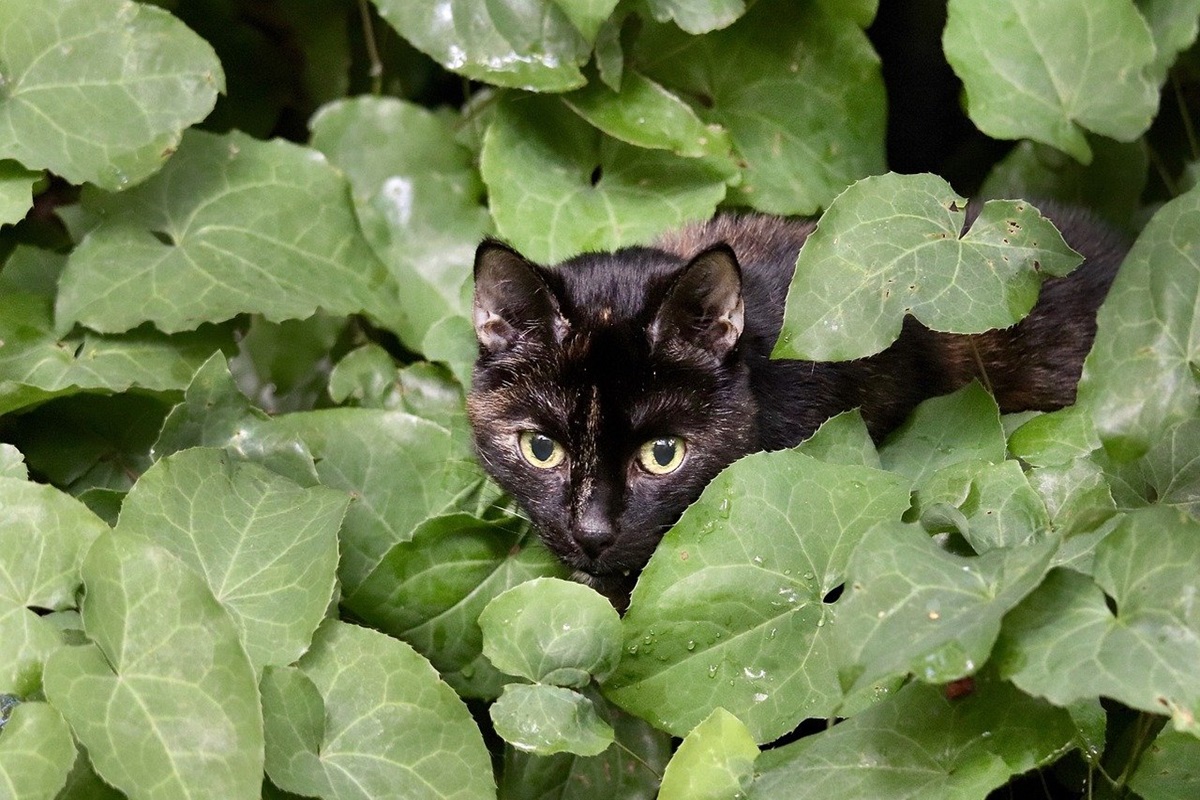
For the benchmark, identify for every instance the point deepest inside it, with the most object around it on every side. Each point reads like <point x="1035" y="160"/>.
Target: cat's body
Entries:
<point x="640" y="374"/>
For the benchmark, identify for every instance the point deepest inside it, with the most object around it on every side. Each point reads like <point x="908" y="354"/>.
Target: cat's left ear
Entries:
<point x="704" y="305"/>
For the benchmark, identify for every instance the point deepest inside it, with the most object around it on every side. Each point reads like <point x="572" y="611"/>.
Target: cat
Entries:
<point x="611" y="388"/>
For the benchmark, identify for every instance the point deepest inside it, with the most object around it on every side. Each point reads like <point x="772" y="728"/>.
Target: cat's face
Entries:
<point x="607" y="393"/>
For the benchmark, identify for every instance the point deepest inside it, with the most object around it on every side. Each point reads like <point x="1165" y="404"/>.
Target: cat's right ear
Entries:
<point x="512" y="300"/>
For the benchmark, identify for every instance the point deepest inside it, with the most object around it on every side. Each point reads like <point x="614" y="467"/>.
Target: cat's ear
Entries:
<point x="512" y="300"/>
<point x="704" y="305"/>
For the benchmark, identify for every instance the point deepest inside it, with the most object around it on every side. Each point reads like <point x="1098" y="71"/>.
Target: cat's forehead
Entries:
<point x="612" y="289"/>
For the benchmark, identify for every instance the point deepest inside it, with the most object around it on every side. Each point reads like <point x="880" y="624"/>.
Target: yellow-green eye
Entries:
<point x="540" y="450"/>
<point x="661" y="456"/>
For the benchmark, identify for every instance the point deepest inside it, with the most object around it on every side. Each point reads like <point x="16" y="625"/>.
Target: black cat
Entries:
<point x="610" y="389"/>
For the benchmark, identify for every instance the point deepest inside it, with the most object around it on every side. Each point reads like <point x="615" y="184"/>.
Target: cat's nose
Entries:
<point x="594" y="539"/>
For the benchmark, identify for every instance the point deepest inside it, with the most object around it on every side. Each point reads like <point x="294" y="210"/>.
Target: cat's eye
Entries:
<point x="540" y="450"/>
<point x="662" y="456"/>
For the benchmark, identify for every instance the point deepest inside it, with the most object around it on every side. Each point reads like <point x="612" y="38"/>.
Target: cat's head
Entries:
<point x="607" y="393"/>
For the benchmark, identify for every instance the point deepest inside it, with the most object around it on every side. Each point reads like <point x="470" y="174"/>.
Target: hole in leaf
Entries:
<point x="163" y="237"/>
<point x="705" y="100"/>
<point x="1112" y="605"/>
<point x="833" y="594"/>
<point x="597" y="173"/>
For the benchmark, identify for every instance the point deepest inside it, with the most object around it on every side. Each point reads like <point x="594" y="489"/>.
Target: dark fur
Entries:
<point x="594" y="354"/>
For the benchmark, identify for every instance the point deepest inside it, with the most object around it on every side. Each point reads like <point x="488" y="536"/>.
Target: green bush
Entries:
<point x="245" y="550"/>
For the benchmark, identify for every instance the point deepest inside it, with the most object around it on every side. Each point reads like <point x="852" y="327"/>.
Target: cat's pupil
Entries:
<point x="663" y="452"/>
<point x="541" y="446"/>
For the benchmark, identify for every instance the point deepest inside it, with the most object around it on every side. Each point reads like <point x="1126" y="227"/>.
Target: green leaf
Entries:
<point x="36" y="753"/>
<point x="266" y="547"/>
<point x="231" y="225"/>
<point x="530" y="45"/>
<point x="587" y="15"/>
<point x="645" y="114"/>
<point x="430" y="591"/>
<point x="362" y="715"/>
<point x="418" y="197"/>
<point x="399" y="469"/>
<point x="919" y="743"/>
<point x="1048" y="71"/>
<point x="942" y="431"/>
<point x="715" y="761"/>
<point x="1140" y="377"/>
<point x="729" y="612"/>
<point x="12" y="463"/>
<point x="284" y="366"/>
<point x="989" y="505"/>
<point x="697" y="17"/>
<point x="1054" y="439"/>
<point x="130" y="75"/>
<point x="842" y="439"/>
<point x="1169" y="769"/>
<point x="1064" y="643"/>
<point x="545" y="720"/>
<point x="891" y="246"/>
<point x="1173" y="25"/>
<point x="38" y="364"/>
<point x="913" y="608"/>
<point x="165" y="699"/>
<point x="552" y="631"/>
<point x="16" y="191"/>
<point x="557" y="186"/>
<point x="630" y="771"/>
<point x="803" y="101"/>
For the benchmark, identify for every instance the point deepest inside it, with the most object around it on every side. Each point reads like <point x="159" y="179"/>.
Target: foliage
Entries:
<point x="235" y="251"/>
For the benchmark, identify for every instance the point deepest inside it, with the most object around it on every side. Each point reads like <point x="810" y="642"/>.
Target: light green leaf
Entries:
<point x="36" y="753"/>
<point x="99" y="91"/>
<point x="1048" y="71"/>
<point x="430" y="591"/>
<point x="399" y="469"/>
<point x="28" y="641"/>
<point x="715" y="761"/>
<point x="363" y="716"/>
<point x="16" y="191"/>
<point x="1065" y="644"/>
<point x="37" y="364"/>
<point x="552" y="631"/>
<point x="32" y="270"/>
<point x="842" y="439"/>
<point x="1173" y="25"/>
<point x="913" y="608"/>
<point x="798" y="87"/>
<point x="920" y="744"/>
<point x="545" y="720"/>
<point x="587" y="15"/>
<point x="1169" y="769"/>
<point x="697" y="16"/>
<point x="231" y="225"/>
<point x="989" y="505"/>
<point x="529" y="45"/>
<point x="1140" y="377"/>
<point x="892" y="246"/>
<point x="418" y="197"/>
<point x="12" y="463"/>
<point x="165" y="699"/>
<point x="266" y="547"/>
<point x="557" y="186"/>
<point x="645" y="114"/>
<point x="1054" y="439"/>
<point x="730" y="611"/>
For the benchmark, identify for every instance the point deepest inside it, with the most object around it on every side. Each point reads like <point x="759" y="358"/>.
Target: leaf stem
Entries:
<point x="639" y="759"/>
<point x="1188" y="130"/>
<point x="376" y="70"/>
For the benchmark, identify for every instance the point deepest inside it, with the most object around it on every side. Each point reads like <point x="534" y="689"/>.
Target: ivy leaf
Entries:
<point x="36" y="752"/>
<point x="531" y="45"/>
<point x="16" y="191"/>
<point x="919" y="743"/>
<point x="552" y="631"/>
<point x="715" y="761"/>
<point x="419" y="199"/>
<point x="37" y="364"/>
<point x="363" y="715"/>
<point x="1024" y="75"/>
<point x="1173" y="25"/>
<point x="231" y="225"/>
<point x="266" y="547"/>
<point x="731" y="611"/>
<point x="129" y="74"/>
<point x="1140" y="377"/>
<point x="430" y="591"/>
<point x="912" y="607"/>
<point x="803" y="101"/>
<point x="697" y="17"/>
<point x="842" y="439"/>
<point x="1169" y="769"/>
<point x="12" y="463"/>
<point x="558" y="187"/>
<point x="1053" y="439"/>
<point x="989" y="505"/>
<point x="1065" y="644"/>
<point x="545" y="720"/>
<point x="587" y="15"/>
<point x="892" y="246"/>
<point x="165" y="697"/>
